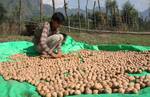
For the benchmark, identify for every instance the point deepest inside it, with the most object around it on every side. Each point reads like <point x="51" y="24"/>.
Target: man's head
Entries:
<point x="57" y="20"/>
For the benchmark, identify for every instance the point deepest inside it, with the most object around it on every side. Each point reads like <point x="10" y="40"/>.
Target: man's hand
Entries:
<point x="58" y="55"/>
<point x="44" y="55"/>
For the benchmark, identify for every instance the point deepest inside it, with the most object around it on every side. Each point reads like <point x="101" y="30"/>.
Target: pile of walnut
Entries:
<point x="84" y="72"/>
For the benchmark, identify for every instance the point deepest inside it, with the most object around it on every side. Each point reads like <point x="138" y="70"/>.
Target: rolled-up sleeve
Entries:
<point x="60" y="42"/>
<point x="44" y="36"/>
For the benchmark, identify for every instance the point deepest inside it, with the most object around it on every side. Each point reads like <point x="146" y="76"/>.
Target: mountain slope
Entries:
<point x="29" y="7"/>
<point x="146" y="14"/>
<point x="32" y="8"/>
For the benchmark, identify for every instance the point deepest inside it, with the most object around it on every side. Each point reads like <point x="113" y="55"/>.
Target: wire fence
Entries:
<point x="28" y="28"/>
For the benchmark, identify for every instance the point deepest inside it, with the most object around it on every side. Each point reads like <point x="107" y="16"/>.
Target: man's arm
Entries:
<point x="43" y="39"/>
<point x="58" y="46"/>
<point x="59" y="52"/>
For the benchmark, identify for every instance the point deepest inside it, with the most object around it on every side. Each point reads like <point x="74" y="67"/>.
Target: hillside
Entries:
<point x="146" y="14"/>
<point x="31" y="8"/>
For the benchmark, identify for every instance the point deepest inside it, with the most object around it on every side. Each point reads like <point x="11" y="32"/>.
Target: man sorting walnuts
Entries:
<point x="47" y="37"/>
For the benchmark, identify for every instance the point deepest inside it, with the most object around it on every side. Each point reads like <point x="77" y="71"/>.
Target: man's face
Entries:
<point x="55" y="25"/>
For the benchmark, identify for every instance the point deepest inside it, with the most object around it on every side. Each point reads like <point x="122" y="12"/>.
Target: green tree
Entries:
<point x="130" y="16"/>
<point x="112" y="12"/>
<point x="2" y="13"/>
<point x="14" y="15"/>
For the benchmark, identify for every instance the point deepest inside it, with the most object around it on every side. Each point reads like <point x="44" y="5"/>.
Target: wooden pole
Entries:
<point x="68" y="19"/>
<point x="94" y="14"/>
<point x="79" y="14"/>
<point x="20" y="6"/>
<point x="65" y="7"/>
<point x="53" y="2"/>
<point x="41" y="10"/>
<point x="107" y="10"/>
<point x="87" y="20"/>
<point x="99" y="6"/>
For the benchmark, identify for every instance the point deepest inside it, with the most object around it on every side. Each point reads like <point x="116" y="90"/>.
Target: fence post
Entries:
<point x="68" y="19"/>
<point x="94" y="14"/>
<point x="79" y="15"/>
<point x="20" y="6"/>
<point x="87" y="18"/>
<point x="99" y="6"/>
<point x="41" y="10"/>
<point x="53" y="2"/>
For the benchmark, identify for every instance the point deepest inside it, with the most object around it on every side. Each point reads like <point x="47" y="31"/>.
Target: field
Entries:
<point x="92" y="38"/>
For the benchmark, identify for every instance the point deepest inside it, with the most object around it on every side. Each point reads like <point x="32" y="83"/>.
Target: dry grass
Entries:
<point x="95" y="38"/>
<point x="7" y="38"/>
<point x="92" y="38"/>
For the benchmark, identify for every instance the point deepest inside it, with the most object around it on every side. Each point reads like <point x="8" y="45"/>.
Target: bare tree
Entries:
<point x="107" y="5"/>
<point x="86" y="15"/>
<point x="53" y="2"/>
<point x="79" y="14"/>
<point x="149" y="14"/>
<point x="94" y="18"/>
<point x="65" y="7"/>
<point x="99" y="6"/>
<point x="41" y="10"/>
<point x="68" y="19"/>
<point x="20" y="7"/>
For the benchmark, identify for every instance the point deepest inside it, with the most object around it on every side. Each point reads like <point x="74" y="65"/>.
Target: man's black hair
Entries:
<point x="59" y="17"/>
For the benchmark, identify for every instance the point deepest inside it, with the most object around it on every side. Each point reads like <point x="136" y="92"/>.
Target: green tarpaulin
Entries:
<point x="17" y="89"/>
<point x="13" y="88"/>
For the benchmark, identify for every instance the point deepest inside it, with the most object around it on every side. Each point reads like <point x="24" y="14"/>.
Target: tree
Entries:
<point x="94" y="16"/>
<point x="112" y="12"/>
<point x="65" y="8"/>
<point x="79" y="14"/>
<point x="68" y="19"/>
<point x="130" y="15"/>
<point x="20" y="7"/>
<point x="149" y="12"/>
<point x="15" y="14"/>
<point x="100" y="19"/>
<point x="41" y="10"/>
<point x="99" y="6"/>
<point x="2" y="13"/>
<point x="53" y="2"/>
<point x="86" y="15"/>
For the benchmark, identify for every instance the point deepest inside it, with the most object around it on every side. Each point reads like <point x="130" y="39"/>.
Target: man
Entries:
<point x="47" y="38"/>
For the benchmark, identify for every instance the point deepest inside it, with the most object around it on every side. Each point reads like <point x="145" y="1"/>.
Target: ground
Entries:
<point x="78" y="66"/>
<point x="93" y="38"/>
